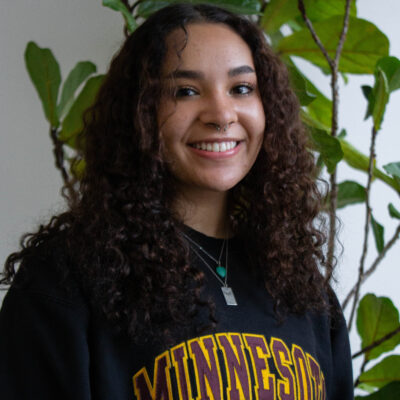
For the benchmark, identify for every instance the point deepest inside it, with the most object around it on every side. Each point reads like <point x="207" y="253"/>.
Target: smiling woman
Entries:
<point x="190" y="265"/>
<point x="211" y="119"/>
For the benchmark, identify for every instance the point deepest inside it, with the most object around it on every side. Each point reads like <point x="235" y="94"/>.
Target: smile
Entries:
<point x="215" y="147"/>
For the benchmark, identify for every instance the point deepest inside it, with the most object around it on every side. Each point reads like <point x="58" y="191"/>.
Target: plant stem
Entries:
<point x="357" y="381"/>
<point x="343" y="34"/>
<point x="334" y="66"/>
<point x="376" y="343"/>
<point x="374" y="265"/>
<point x="332" y="217"/>
<point x="59" y="155"/>
<point x="128" y="6"/>
<point x="310" y="27"/>
<point x="366" y="227"/>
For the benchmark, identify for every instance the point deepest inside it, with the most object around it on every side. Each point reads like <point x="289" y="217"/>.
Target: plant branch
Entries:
<point x="376" y="343"/>
<point x="264" y="5"/>
<point x="332" y="217"/>
<point x="364" y="364"/>
<point x="127" y="5"/>
<point x="59" y="155"/>
<point x="316" y="38"/>
<point x="335" y="70"/>
<point x="334" y="66"/>
<point x="343" y="34"/>
<point x="374" y="265"/>
<point x="366" y="226"/>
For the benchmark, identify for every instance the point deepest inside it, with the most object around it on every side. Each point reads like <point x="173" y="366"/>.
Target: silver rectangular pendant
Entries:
<point x="229" y="296"/>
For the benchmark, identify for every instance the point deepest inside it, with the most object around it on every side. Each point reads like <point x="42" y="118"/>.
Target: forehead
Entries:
<point x="206" y="45"/>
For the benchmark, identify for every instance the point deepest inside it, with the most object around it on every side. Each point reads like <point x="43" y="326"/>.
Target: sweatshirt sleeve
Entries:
<point x="43" y="348"/>
<point x="342" y="385"/>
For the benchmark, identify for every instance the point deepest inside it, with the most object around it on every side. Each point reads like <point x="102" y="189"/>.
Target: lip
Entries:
<point x="217" y="155"/>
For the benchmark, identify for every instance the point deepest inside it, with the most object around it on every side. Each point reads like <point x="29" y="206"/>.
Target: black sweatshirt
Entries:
<point x="53" y="347"/>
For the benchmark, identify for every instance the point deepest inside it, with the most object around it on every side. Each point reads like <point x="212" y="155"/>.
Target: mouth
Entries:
<point x="215" y="147"/>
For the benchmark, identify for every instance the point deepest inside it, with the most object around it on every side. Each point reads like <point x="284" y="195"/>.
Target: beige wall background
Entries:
<point x="78" y="30"/>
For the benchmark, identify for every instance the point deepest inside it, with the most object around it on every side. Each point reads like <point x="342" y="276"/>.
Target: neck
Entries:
<point x="206" y="212"/>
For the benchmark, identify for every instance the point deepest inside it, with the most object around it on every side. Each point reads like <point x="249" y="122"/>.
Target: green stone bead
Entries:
<point x="221" y="271"/>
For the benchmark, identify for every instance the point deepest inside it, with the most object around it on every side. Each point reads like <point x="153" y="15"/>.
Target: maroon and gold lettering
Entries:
<point x="161" y="388"/>
<point x="237" y="370"/>
<point x="180" y="362"/>
<point x="286" y="387"/>
<point x="303" y="376"/>
<point x="323" y="388"/>
<point x="317" y="378"/>
<point x="259" y="354"/>
<point x="203" y="351"/>
<point x="232" y="362"/>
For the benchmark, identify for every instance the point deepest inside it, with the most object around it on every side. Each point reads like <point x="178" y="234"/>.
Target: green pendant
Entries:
<point x="221" y="271"/>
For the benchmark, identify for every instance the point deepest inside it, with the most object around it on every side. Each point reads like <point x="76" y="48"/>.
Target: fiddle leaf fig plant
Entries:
<point x="64" y="111"/>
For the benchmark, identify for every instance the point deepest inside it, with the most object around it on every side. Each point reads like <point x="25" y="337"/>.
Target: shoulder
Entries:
<point x="46" y="272"/>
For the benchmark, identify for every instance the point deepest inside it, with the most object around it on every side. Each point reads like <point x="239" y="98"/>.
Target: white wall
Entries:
<point x="84" y="30"/>
<point x="75" y="30"/>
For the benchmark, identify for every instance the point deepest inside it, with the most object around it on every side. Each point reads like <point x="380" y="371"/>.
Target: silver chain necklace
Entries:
<point x="221" y="270"/>
<point x="226" y="290"/>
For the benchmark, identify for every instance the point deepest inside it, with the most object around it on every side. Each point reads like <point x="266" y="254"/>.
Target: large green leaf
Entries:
<point x="44" y="72"/>
<point x="329" y="148"/>
<point x="73" y="122"/>
<point x="311" y="122"/>
<point x="387" y="371"/>
<point x="364" y="46"/>
<point x="360" y="161"/>
<point x="318" y="10"/>
<point x="300" y="86"/>
<point x="376" y="317"/>
<point x="394" y="170"/>
<point x="246" y="7"/>
<point x="279" y="12"/>
<point x="118" y="5"/>
<point x="350" y="192"/>
<point x="391" y="67"/>
<point x="77" y="167"/>
<point x="380" y="99"/>
<point x="379" y="232"/>
<point x="148" y="7"/>
<point x="76" y="77"/>
<point x="393" y="212"/>
<point x="388" y="392"/>
<point x="320" y="109"/>
<point x="387" y="79"/>
<point x="368" y="93"/>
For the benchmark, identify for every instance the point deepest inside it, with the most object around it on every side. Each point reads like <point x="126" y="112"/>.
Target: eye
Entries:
<point x="243" y="89"/>
<point x="184" y="92"/>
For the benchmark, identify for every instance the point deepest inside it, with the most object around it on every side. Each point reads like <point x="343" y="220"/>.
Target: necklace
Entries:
<point x="226" y="290"/>
<point x="221" y="270"/>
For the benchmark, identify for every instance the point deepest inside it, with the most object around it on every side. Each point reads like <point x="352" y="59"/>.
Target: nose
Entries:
<point x="219" y="111"/>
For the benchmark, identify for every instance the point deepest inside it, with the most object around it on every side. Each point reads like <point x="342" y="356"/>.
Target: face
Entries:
<point x="212" y="123"/>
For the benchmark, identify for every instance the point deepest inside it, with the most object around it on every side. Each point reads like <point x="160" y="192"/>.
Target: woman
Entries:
<point x="189" y="266"/>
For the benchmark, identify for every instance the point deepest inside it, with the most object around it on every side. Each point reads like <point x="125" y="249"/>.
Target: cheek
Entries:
<point x="254" y="120"/>
<point x="173" y="124"/>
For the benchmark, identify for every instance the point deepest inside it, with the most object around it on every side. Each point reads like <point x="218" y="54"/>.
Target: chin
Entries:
<point x="221" y="186"/>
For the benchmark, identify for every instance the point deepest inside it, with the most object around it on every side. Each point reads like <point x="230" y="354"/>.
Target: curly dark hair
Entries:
<point x="126" y="244"/>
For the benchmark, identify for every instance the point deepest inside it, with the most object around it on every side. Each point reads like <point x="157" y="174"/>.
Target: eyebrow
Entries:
<point x="190" y="74"/>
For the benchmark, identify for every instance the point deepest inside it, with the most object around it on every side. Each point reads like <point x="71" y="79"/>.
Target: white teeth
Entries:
<point x="215" y="147"/>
